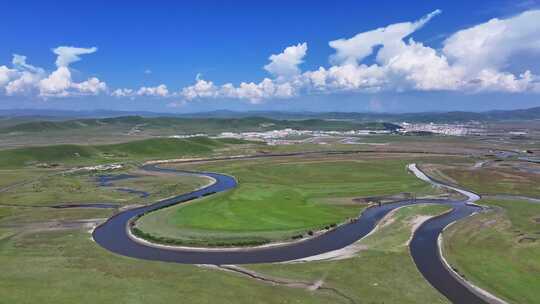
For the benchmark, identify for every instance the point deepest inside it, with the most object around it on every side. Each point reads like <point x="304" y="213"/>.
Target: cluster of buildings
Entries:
<point x="445" y="129"/>
<point x="104" y="167"/>
<point x="285" y="136"/>
<point x="292" y="136"/>
<point x="189" y="135"/>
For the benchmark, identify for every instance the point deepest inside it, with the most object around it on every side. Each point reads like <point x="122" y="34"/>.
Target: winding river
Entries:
<point x="113" y="235"/>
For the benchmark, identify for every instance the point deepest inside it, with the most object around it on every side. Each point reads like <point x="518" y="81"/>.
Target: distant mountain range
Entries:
<point x="437" y="117"/>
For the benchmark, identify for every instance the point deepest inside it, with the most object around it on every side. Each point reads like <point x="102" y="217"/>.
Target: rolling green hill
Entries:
<point x="437" y="117"/>
<point x="192" y="125"/>
<point x="140" y="149"/>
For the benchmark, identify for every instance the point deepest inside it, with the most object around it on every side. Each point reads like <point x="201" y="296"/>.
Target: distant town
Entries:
<point x="445" y="129"/>
<point x="291" y="136"/>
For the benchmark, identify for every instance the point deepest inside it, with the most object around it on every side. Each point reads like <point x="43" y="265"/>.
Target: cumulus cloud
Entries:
<point x="285" y="64"/>
<point x="24" y="83"/>
<point x="355" y="49"/>
<point x="60" y="84"/>
<point x="491" y="44"/>
<point x="157" y="91"/>
<point x="472" y="60"/>
<point x="19" y="62"/>
<point x="57" y="83"/>
<point x="123" y="93"/>
<point x="484" y="51"/>
<point x="252" y="92"/>
<point x="201" y="89"/>
<point x="69" y="54"/>
<point x="160" y="90"/>
<point x="6" y="75"/>
<point x="25" y="78"/>
<point x="92" y="86"/>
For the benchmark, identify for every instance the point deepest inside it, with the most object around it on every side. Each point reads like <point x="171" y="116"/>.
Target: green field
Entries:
<point x="496" y="180"/>
<point x="65" y="266"/>
<point x="278" y="199"/>
<point x="382" y="272"/>
<point x="93" y="131"/>
<point x="48" y="254"/>
<point x="156" y="148"/>
<point x="191" y="125"/>
<point x="499" y="250"/>
<point x="42" y="189"/>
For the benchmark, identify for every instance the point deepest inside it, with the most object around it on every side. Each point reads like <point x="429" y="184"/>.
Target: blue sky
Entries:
<point x="171" y="56"/>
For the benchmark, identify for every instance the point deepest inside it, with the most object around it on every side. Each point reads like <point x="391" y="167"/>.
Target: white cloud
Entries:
<point x="483" y="53"/>
<point x="69" y="54"/>
<point x="123" y="93"/>
<point x="160" y="90"/>
<point x="285" y="64"/>
<point x="253" y="92"/>
<point x="475" y="59"/>
<point x="256" y="92"/>
<point x="6" y="75"/>
<point x="57" y="83"/>
<point x="25" y="83"/>
<point x="355" y="49"/>
<point x="24" y="77"/>
<point x="422" y="68"/>
<point x="345" y="77"/>
<point x="19" y="61"/>
<point x="471" y="60"/>
<point x="157" y="91"/>
<point x="492" y="80"/>
<point x="27" y="79"/>
<point x="201" y="89"/>
<point x="91" y="86"/>
<point x="489" y="45"/>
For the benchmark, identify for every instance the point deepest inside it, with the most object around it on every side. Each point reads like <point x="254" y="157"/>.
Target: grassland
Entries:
<point x="93" y="154"/>
<point x="192" y="125"/>
<point x="499" y="250"/>
<point x="383" y="272"/>
<point x="79" y="188"/>
<point x="278" y="199"/>
<point x="494" y="179"/>
<point x="64" y="266"/>
<point x="129" y="128"/>
<point x="12" y="177"/>
<point x="47" y="254"/>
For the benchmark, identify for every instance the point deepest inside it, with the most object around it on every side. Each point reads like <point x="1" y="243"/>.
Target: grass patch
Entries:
<point x="83" y="188"/>
<point x="193" y="125"/>
<point x="66" y="267"/>
<point x="134" y="150"/>
<point x="499" y="250"/>
<point x="277" y="199"/>
<point x="384" y="272"/>
<point x="496" y="180"/>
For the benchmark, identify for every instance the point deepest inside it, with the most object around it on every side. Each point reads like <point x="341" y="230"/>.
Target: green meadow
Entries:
<point x="63" y="265"/>
<point x="155" y="148"/>
<point x="499" y="250"/>
<point x="381" y="272"/>
<point x="279" y="199"/>
<point x="79" y="188"/>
